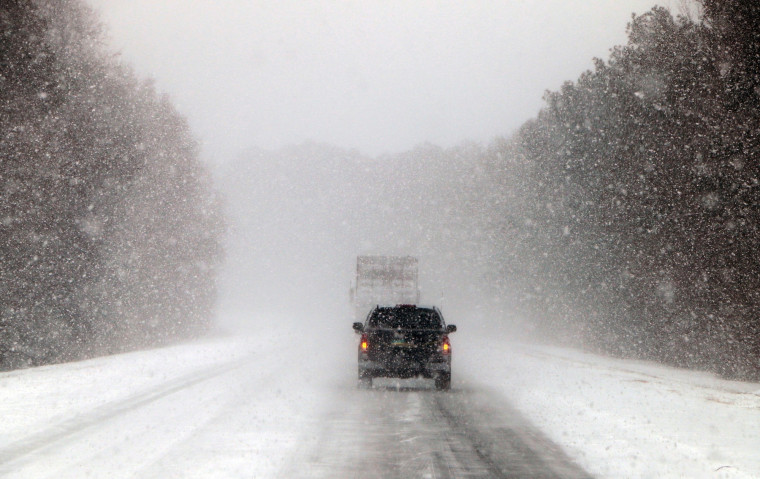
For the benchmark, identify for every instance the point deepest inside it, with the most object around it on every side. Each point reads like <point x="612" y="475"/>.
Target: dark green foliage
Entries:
<point x="736" y="27"/>
<point x="639" y="191"/>
<point x="108" y="228"/>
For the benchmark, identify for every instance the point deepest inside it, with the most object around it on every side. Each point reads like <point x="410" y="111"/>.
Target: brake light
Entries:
<point x="446" y="346"/>
<point x="364" y="344"/>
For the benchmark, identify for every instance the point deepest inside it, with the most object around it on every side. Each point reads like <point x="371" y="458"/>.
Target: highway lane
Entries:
<point x="406" y="429"/>
<point x="271" y="413"/>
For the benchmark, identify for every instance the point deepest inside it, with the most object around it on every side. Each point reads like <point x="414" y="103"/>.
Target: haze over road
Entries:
<point x="260" y="407"/>
<point x="403" y="429"/>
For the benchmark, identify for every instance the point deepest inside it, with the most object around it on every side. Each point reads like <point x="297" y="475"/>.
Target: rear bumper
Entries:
<point x="375" y="369"/>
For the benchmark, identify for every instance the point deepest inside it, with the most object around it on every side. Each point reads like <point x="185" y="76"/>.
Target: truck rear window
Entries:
<point x="406" y="319"/>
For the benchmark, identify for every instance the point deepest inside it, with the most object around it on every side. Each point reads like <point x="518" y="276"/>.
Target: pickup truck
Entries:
<point x="405" y="341"/>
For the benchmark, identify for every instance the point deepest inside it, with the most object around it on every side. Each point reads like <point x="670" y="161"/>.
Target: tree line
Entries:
<point x="634" y="196"/>
<point x="109" y="227"/>
<point x="623" y="218"/>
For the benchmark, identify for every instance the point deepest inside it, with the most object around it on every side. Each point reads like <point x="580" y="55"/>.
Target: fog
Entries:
<point x="588" y="228"/>
<point x="360" y="86"/>
<point x="372" y="75"/>
<point x="299" y="218"/>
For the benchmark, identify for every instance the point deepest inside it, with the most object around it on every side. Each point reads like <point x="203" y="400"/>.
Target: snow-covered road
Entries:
<point x="284" y="404"/>
<point x="406" y="429"/>
<point x="252" y="408"/>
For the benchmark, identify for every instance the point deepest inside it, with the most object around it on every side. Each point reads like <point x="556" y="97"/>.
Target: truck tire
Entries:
<point x="443" y="382"/>
<point x="365" y="381"/>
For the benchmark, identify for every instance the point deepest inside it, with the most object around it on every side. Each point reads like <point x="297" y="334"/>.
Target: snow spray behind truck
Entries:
<point x="386" y="280"/>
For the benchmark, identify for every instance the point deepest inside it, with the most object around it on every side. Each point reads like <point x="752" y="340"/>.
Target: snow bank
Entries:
<point x="621" y="418"/>
<point x="34" y="399"/>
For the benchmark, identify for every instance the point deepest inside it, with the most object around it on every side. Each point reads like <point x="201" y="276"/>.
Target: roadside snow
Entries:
<point x="220" y="407"/>
<point x="34" y="399"/>
<point x="239" y="406"/>
<point x="620" y="418"/>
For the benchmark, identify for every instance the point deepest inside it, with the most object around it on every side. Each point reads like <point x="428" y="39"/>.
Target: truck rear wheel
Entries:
<point x="443" y="382"/>
<point x="365" y="381"/>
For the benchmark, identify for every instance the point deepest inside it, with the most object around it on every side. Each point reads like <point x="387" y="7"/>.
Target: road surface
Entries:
<point x="256" y="413"/>
<point x="403" y="429"/>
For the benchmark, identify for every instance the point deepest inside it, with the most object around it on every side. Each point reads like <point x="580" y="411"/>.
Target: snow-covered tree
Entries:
<point x="109" y="229"/>
<point x="639" y="186"/>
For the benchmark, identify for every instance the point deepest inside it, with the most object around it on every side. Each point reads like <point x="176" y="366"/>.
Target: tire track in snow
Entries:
<point x="483" y="430"/>
<point x="162" y="466"/>
<point x="66" y="429"/>
<point x="394" y="432"/>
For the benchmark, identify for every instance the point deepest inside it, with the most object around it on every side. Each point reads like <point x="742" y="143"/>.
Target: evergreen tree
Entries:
<point x="639" y="185"/>
<point x="110" y="230"/>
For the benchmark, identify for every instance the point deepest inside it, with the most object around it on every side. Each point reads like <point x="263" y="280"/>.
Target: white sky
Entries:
<point x="379" y="76"/>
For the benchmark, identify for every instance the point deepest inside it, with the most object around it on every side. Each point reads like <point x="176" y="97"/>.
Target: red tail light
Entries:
<point x="446" y="346"/>
<point x="364" y="343"/>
